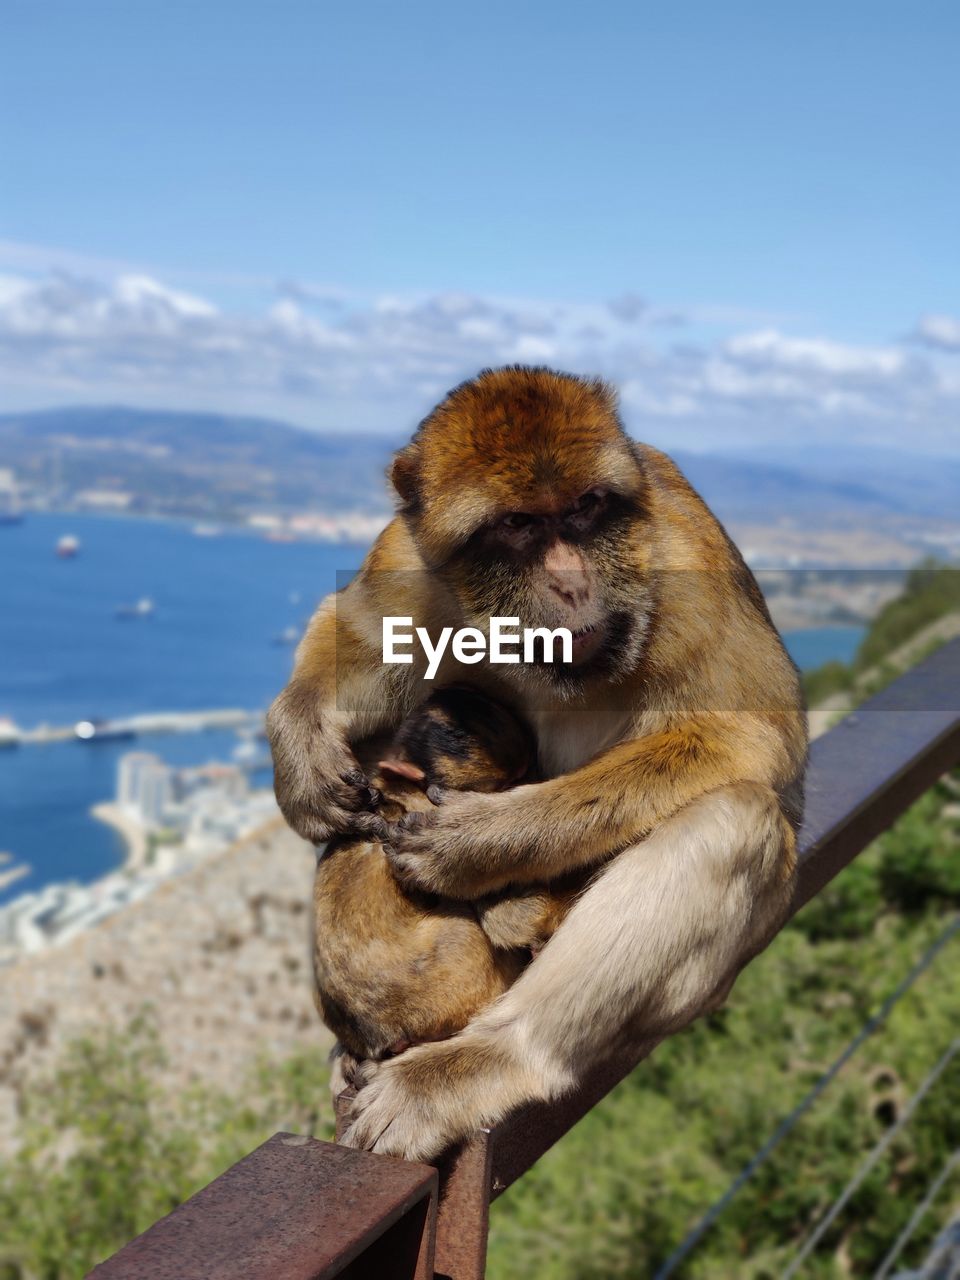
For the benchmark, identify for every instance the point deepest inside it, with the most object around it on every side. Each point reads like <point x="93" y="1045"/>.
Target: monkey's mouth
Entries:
<point x="588" y="641"/>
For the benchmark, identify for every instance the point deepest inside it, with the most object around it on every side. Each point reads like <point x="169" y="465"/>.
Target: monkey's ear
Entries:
<point x="405" y="474"/>
<point x="402" y="769"/>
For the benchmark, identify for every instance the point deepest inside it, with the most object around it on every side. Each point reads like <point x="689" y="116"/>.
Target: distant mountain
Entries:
<point x="204" y="463"/>
<point x="911" y="483"/>
<point x="740" y="489"/>
<point x="199" y="463"/>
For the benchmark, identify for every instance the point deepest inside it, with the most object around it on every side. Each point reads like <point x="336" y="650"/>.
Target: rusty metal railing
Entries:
<point x="302" y="1209"/>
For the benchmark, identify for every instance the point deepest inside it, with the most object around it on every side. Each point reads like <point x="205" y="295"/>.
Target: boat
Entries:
<point x="102" y="731"/>
<point x="67" y="546"/>
<point x="9" y="733"/>
<point x="144" y="608"/>
<point x="204" y="530"/>
<point x="250" y="757"/>
<point x="11" y="512"/>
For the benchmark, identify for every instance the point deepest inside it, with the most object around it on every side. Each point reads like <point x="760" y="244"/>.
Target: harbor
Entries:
<point x="150" y="722"/>
<point x="169" y="820"/>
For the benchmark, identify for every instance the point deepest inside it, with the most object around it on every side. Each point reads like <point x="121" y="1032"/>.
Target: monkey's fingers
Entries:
<point x="359" y="794"/>
<point x="342" y="804"/>
<point x="403" y="867"/>
<point x="365" y="1072"/>
<point x="411" y="853"/>
<point x="416" y="820"/>
<point x="322" y="819"/>
<point x="365" y="824"/>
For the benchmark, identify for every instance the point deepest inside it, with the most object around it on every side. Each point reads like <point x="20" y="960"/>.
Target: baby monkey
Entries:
<point x="394" y="968"/>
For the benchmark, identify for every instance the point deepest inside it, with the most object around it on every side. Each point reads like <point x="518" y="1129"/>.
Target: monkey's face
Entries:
<point x="461" y="739"/>
<point x="524" y="494"/>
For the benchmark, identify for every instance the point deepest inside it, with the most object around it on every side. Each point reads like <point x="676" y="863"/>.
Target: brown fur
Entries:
<point x="392" y="967"/>
<point x="670" y="757"/>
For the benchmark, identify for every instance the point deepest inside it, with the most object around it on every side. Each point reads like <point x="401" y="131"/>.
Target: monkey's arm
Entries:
<point x="340" y="691"/>
<point x="475" y="844"/>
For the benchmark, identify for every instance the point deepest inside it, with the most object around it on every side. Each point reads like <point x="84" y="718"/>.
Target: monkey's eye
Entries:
<point x="586" y="508"/>
<point x="518" y="529"/>
<point x="518" y="520"/>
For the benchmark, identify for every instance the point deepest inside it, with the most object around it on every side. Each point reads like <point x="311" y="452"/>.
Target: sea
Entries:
<point x="225" y="609"/>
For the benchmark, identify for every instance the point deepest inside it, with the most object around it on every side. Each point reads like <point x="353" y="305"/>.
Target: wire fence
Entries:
<point x="872" y="1159"/>
<point x="919" y="1213"/>
<point x="789" y="1122"/>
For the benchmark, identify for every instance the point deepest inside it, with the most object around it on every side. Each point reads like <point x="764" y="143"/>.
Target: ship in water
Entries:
<point x="102" y="731"/>
<point x="68" y="546"/>
<point x="144" y="608"/>
<point x="11" y="512"/>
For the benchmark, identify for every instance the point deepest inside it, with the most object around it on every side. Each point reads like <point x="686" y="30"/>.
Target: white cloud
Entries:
<point x="939" y="331"/>
<point x="326" y="358"/>
<point x="770" y="349"/>
<point x="142" y="292"/>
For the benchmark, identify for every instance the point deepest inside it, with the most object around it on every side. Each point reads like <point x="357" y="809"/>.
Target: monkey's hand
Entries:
<point x="472" y="844"/>
<point x="321" y="789"/>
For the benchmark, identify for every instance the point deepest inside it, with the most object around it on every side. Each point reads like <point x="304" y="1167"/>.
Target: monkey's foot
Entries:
<point x="343" y="1070"/>
<point x="417" y="1105"/>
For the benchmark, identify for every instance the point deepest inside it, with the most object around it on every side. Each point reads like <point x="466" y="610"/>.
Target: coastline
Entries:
<point x="132" y="833"/>
<point x="230" y="526"/>
<point x="11" y="875"/>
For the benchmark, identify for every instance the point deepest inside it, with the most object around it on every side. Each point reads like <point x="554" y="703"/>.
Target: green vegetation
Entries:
<point x="620" y="1191"/>
<point x="831" y="678"/>
<point x="105" y="1152"/>
<point x="930" y="593"/>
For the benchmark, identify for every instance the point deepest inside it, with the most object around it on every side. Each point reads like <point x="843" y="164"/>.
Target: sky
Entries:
<point x="745" y="215"/>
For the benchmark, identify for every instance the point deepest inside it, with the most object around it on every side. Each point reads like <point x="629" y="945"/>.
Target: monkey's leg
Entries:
<point x="655" y="940"/>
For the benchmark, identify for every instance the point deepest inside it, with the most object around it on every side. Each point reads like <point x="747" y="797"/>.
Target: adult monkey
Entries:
<point x="676" y="740"/>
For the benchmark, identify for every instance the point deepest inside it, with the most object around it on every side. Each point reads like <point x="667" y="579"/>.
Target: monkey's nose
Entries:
<point x="567" y="575"/>
<point x="566" y="594"/>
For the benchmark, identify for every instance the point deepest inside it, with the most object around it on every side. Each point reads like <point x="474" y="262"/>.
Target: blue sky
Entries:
<point x="745" y="214"/>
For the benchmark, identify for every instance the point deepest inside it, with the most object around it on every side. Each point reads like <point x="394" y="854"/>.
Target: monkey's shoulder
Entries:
<point x="393" y="551"/>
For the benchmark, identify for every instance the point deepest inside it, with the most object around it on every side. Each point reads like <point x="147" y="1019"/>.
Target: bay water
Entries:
<point x="215" y="639"/>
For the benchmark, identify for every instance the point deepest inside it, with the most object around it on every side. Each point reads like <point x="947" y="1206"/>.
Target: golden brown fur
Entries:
<point x="394" y="967"/>
<point x="670" y="752"/>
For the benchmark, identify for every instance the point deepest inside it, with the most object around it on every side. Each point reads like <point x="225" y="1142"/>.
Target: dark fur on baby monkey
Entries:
<point x="395" y="967"/>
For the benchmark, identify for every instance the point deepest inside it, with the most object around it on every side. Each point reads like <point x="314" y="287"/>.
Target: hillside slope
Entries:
<point x="204" y="462"/>
<point x="195" y="462"/>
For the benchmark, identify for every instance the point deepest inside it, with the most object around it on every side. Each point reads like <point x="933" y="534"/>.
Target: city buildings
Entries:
<point x="171" y="819"/>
